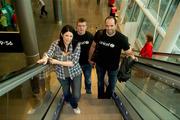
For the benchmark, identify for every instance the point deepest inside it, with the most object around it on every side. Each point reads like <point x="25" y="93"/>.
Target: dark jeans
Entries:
<point x="112" y="79"/>
<point x="72" y="90"/>
<point x="87" y="68"/>
<point x="43" y="11"/>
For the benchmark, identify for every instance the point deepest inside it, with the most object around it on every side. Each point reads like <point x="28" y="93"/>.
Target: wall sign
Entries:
<point x="10" y="42"/>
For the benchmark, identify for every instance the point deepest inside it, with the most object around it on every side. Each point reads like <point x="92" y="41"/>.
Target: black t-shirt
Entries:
<point x="85" y="41"/>
<point x="109" y="49"/>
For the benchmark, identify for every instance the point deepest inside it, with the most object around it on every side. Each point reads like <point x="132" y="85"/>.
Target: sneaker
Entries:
<point x="76" y="110"/>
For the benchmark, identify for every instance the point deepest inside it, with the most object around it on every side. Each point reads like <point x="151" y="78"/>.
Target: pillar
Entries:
<point x="28" y="35"/>
<point x="57" y="5"/>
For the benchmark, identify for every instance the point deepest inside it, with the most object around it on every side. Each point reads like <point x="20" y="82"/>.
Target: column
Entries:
<point x="57" y="5"/>
<point x="28" y="35"/>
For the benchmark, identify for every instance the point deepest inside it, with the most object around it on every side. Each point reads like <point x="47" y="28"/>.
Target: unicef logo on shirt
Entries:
<point x="87" y="42"/>
<point x="112" y="45"/>
<point x="84" y="42"/>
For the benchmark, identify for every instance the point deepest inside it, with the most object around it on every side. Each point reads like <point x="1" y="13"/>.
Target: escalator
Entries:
<point x="153" y="92"/>
<point x="17" y="100"/>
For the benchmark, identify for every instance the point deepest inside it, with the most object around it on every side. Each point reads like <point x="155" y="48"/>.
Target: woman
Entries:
<point x="147" y="50"/>
<point x="113" y="10"/>
<point x="64" y="54"/>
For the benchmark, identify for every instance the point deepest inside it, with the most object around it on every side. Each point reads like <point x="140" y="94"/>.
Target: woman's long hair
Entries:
<point x="66" y="28"/>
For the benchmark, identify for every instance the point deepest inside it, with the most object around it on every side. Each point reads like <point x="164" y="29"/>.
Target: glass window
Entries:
<point x="129" y="9"/>
<point x="170" y="14"/>
<point x="157" y="43"/>
<point x="147" y="27"/>
<point x="178" y="42"/>
<point x="145" y="2"/>
<point x="118" y="4"/>
<point x="135" y="13"/>
<point x="153" y="7"/>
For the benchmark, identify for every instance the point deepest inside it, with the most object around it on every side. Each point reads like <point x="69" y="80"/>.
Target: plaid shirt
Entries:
<point x="56" y="53"/>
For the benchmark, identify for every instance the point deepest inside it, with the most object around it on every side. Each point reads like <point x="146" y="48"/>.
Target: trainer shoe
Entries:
<point x="76" y="110"/>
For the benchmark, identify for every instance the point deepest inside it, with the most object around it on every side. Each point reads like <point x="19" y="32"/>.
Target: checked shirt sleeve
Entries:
<point x="52" y="49"/>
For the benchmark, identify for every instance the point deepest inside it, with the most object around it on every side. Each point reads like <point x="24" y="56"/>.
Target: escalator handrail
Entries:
<point x="163" y="76"/>
<point x="162" y="54"/>
<point x="164" y="65"/>
<point x="7" y="76"/>
<point x="19" y="78"/>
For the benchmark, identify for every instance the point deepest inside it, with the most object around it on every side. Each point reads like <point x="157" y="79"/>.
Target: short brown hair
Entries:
<point x="81" y="20"/>
<point x="149" y="37"/>
<point x="111" y="17"/>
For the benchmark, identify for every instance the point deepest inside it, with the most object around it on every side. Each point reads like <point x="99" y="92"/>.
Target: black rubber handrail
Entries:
<point x="15" y="79"/>
<point x="17" y="72"/>
<point x="162" y="54"/>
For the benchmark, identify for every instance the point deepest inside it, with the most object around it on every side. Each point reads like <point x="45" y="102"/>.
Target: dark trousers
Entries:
<point x="43" y="11"/>
<point x="112" y="79"/>
<point x="87" y="68"/>
<point x="71" y="90"/>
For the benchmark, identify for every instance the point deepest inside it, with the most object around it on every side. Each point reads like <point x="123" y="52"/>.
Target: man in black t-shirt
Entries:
<point x="107" y="46"/>
<point x="85" y="38"/>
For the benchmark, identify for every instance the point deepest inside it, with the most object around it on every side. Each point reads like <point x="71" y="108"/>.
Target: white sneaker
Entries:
<point x="76" y="110"/>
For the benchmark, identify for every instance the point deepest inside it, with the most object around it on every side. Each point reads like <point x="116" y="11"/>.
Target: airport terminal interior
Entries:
<point x="30" y="91"/>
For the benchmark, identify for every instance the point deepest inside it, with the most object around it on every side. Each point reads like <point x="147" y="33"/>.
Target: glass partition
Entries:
<point x="21" y="103"/>
<point x="165" y="95"/>
<point x="150" y="96"/>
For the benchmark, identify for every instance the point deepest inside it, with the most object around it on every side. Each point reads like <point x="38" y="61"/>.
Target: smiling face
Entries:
<point x="110" y="27"/>
<point x="67" y="38"/>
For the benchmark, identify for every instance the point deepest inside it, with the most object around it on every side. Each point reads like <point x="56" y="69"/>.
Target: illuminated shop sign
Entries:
<point x="10" y="42"/>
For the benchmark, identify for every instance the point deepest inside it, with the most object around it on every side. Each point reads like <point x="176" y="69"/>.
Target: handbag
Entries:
<point x="124" y="72"/>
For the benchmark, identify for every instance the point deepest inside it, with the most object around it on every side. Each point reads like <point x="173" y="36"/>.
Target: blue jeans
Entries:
<point x="87" y="68"/>
<point x="72" y="90"/>
<point x="112" y="79"/>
